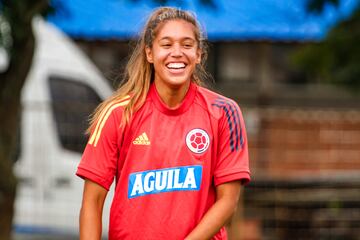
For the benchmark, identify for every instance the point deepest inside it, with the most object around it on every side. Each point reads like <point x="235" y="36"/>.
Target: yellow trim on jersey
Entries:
<point x="106" y="117"/>
<point x="103" y="118"/>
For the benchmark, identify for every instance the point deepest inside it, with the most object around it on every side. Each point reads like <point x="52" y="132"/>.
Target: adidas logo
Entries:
<point x="142" y="140"/>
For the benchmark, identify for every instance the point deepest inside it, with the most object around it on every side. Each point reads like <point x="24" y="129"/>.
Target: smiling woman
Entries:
<point x="174" y="55"/>
<point x="178" y="151"/>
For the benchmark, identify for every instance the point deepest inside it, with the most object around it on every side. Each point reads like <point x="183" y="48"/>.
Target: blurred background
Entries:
<point x="292" y="65"/>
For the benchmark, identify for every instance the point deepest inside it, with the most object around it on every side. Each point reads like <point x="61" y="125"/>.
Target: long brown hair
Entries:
<point x="139" y="72"/>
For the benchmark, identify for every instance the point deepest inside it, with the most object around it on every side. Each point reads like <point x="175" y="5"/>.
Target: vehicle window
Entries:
<point x="72" y="103"/>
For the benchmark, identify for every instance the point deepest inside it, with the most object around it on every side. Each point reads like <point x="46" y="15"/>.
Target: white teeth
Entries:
<point x="176" y="65"/>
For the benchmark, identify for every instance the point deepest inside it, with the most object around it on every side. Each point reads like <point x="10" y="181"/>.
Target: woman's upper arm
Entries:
<point x="94" y="192"/>
<point x="229" y="190"/>
<point x="91" y="211"/>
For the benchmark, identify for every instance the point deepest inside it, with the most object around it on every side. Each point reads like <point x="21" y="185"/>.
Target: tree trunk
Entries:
<point x="11" y="83"/>
<point x="19" y="15"/>
<point x="7" y="196"/>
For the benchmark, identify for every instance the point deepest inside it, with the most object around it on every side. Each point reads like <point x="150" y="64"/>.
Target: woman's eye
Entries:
<point x="188" y="45"/>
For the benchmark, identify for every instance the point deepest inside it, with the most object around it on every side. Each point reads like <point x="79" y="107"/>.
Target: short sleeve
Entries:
<point x="99" y="160"/>
<point x="233" y="158"/>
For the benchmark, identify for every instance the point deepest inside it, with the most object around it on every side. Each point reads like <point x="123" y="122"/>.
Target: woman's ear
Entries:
<point x="149" y="55"/>
<point x="198" y="55"/>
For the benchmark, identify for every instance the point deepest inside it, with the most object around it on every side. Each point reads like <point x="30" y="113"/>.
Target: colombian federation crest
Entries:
<point x="197" y="140"/>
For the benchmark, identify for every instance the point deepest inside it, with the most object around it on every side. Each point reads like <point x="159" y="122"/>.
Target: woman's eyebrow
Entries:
<point x="182" y="39"/>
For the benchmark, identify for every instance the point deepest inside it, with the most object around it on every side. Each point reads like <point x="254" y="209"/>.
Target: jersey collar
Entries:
<point x="184" y="106"/>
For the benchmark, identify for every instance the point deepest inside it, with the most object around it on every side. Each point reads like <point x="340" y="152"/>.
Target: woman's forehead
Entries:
<point x="176" y="28"/>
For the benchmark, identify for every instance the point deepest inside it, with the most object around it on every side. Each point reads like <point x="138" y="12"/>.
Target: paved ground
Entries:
<point x="43" y="237"/>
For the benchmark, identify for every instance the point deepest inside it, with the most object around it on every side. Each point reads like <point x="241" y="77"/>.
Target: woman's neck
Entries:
<point x="172" y="96"/>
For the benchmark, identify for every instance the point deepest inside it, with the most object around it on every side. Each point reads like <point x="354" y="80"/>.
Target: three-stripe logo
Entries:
<point x="233" y="119"/>
<point x="142" y="140"/>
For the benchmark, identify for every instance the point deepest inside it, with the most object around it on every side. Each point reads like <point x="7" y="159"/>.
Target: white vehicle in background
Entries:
<point x="62" y="89"/>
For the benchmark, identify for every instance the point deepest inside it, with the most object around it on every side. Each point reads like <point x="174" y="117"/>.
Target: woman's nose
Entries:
<point x="176" y="51"/>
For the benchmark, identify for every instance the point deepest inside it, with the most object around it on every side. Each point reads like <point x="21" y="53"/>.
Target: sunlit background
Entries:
<point x="292" y="65"/>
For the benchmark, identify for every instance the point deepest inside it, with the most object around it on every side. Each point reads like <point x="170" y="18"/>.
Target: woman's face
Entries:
<point x="174" y="53"/>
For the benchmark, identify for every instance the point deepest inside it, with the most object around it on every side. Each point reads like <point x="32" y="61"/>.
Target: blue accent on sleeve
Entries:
<point x="226" y="105"/>
<point x="238" y="120"/>
<point x="229" y="123"/>
<point x="235" y="120"/>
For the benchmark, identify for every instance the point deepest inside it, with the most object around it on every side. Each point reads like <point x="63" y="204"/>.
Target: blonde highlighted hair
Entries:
<point x="139" y="73"/>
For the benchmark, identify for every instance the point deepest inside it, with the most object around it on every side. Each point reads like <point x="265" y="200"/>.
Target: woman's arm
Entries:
<point x="91" y="211"/>
<point x="227" y="196"/>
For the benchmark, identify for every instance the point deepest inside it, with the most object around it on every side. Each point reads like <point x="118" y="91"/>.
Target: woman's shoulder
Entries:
<point x="118" y="103"/>
<point x="212" y="94"/>
<point x="114" y="107"/>
<point x="216" y="103"/>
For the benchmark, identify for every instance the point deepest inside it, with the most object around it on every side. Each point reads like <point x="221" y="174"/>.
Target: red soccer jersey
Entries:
<point x="166" y="162"/>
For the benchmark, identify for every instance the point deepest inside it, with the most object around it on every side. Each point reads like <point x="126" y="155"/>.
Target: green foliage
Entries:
<point x="15" y="22"/>
<point x="337" y="58"/>
<point x="318" y="5"/>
